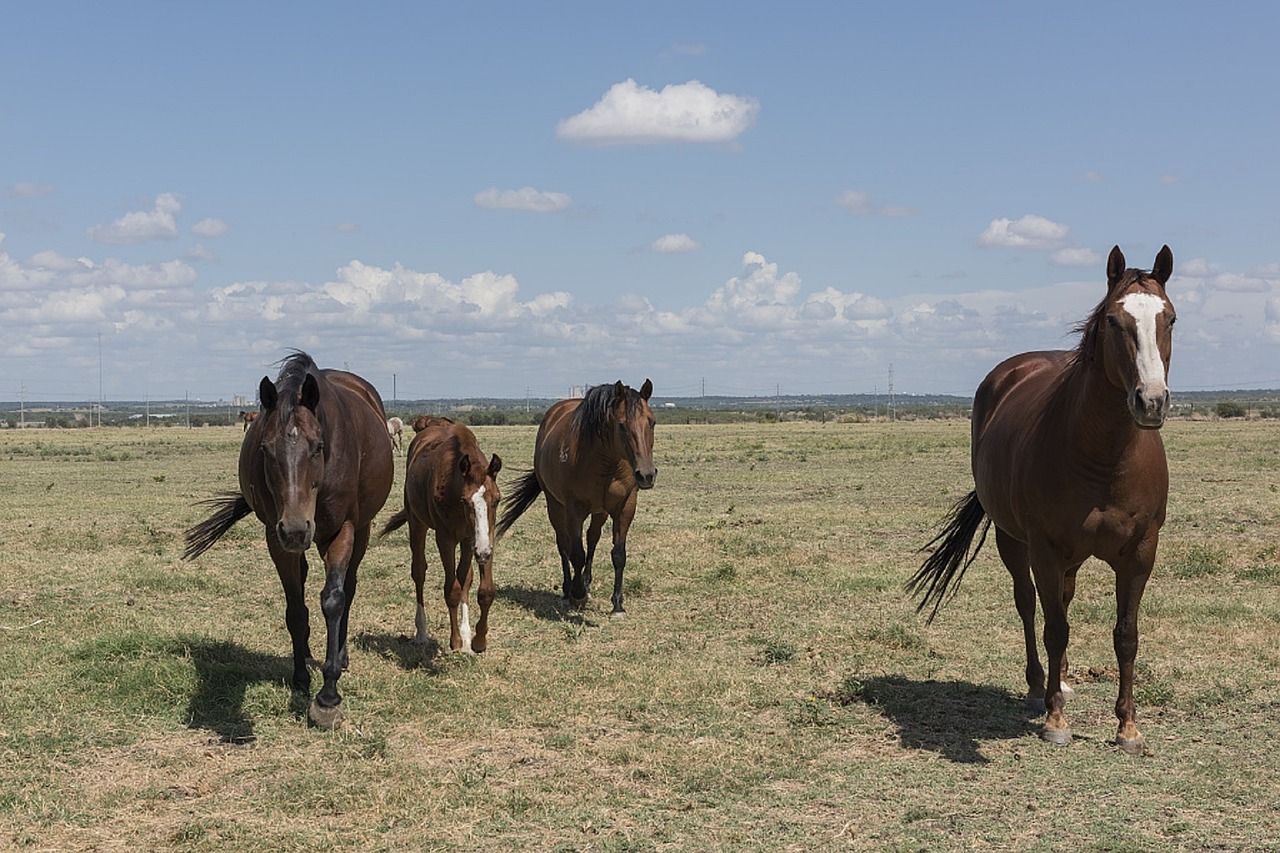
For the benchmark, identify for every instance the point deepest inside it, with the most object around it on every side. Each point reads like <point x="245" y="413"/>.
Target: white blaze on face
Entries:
<point x="1145" y="308"/>
<point x="483" y="545"/>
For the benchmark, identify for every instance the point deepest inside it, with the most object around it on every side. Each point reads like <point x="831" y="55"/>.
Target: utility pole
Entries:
<point x="22" y="395"/>
<point x="393" y="389"/>
<point x="893" y="411"/>
<point x="99" y="382"/>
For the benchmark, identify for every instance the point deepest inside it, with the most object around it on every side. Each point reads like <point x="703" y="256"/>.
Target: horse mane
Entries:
<point x="592" y="417"/>
<point x="1089" y="327"/>
<point x="293" y="370"/>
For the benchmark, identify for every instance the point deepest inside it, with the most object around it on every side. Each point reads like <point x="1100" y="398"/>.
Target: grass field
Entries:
<point x="770" y="689"/>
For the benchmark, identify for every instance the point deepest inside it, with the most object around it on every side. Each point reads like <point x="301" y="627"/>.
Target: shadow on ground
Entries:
<point x="946" y="717"/>
<point x="545" y="604"/>
<point x="402" y="650"/>
<point x="224" y="671"/>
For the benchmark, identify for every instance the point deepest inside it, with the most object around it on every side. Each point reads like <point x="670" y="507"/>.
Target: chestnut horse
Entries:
<point x="1068" y="463"/>
<point x="451" y="489"/>
<point x="591" y="458"/>
<point x="315" y="468"/>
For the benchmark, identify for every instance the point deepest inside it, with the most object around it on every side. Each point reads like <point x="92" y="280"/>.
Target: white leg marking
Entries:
<point x="420" y="622"/>
<point x="1144" y="308"/>
<point x="464" y="626"/>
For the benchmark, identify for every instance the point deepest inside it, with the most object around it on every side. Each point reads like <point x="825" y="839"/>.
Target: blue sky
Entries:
<point x="494" y="198"/>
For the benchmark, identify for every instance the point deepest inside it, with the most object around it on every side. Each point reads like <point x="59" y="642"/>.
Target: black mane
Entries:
<point x="594" y="412"/>
<point x="1089" y="327"/>
<point x="294" y="369"/>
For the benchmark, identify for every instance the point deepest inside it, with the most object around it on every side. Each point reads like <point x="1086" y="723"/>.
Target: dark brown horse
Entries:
<point x="315" y="468"/>
<point x="451" y="489"/>
<point x="591" y="458"/>
<point x="1068" y="463"/>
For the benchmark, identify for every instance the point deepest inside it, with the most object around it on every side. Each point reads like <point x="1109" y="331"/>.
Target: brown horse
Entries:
<point x="1068" y="463"/>
<point x="316" y="467"/>
<point x="451" y="489"/>
<point x="591" y="457"/>
<point x="247" y="418"/>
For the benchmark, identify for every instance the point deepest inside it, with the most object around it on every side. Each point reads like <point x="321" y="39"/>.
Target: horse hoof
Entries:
<point x="325" y="718"/>
<point x="1132" y="745"/>
<point x="618" y="614"/>
<point x="1035" y="704"/>
<point x="1057" y="737"/>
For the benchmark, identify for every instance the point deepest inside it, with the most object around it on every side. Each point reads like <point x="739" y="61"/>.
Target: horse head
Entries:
<point x="480" y="496"/>
<point x="634" y="419"/>
<point x="293" y="458"/>
<point x="1136" y="335"/>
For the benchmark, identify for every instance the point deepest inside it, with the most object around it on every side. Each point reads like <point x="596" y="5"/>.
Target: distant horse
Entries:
<point x="395" y="428"/>
<point x="1068" y="463"/>
<point x="247" y="418"/>
<point x="316" y="467"/>
<point x="591" y="457"/>
<point x="451" y="489"/>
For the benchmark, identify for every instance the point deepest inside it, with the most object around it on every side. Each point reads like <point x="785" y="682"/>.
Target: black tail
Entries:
<point x="231" y="508"/>
<point x="513" y="505"/>
<point x="395" y="522"/>
<point x="947" y="563"/>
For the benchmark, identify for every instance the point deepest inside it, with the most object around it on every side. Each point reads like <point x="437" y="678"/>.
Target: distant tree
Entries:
<point x="1228" y="409"/>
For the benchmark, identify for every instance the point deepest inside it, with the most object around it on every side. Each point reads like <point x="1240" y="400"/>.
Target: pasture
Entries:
<point x="771" y="687"/>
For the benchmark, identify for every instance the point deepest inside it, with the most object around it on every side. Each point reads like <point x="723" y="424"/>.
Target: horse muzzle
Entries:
<point x="645" y="479"/>
<point x="1149" y="410"/>
<point x="295" y="537"/>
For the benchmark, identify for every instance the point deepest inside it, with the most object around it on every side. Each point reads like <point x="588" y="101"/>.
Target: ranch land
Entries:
<point x="771" y="687"/>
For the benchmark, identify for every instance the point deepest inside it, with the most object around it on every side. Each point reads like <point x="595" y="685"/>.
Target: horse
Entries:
<point x="247" y="418"/>
<point x="315" y="469"/>
<point x="451" y="489"/>
<point x="1068" y="463"/>
<point x="592" y="456"/>
<point x="395" y="428"/>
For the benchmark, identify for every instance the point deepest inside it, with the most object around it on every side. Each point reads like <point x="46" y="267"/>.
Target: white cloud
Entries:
<point x="29" y="190"/>
<point x="672" y="243"/>
<point x="525" y="198"/>
<point x="210" y="228"/>
<point x="861" y="203"/>
<point x="159" y="223"/>
<point x="347" y="228"/>
<point x="1029" y="232"/>
<point x="687" y="112"/>
<point x="1076" y="257"/>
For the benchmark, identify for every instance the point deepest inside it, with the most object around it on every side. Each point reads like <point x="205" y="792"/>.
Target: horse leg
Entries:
<point x="1131" y="582"/>
<point x="326" y="708"/>
<point x="418" y="569"/>
<point x="1014" y="555"/>
<point x="593" y="539"/>
<point x="621" y="524"/>
<point x="485" y="595"/>
<point x="454" y="593"/>
<point x="564" y="541"/>
<point x="292" y="569"/>
<point x="1049" y="581"/>
<point x="1068" y="593"/>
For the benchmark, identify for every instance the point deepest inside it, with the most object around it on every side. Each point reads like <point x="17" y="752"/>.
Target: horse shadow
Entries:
<point x="402" y="651"/>
<point x="544" y="604"/>
<point x="946" y="717"/>
<point x="224" y="672"/>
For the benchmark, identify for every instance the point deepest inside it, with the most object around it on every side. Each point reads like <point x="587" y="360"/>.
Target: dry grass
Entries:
<point x="771" y="688"/>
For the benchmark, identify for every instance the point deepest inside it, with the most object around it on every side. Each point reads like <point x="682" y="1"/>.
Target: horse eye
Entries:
<point x="1172" y="320"/>
<point x="319" y="448"/>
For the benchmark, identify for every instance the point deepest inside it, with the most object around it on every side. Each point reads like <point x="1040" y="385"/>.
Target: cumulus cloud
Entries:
<point x="860" y="203"/>
<point x="210" y="228"/>
<point x="159" y="223"/>
<point x="631" y="114"/>
<point x="673" y="243"/>
<point x="525" y="198"/>
<point x="1075" y="257"/>
<point x="1029" y="232"/>
<point x="29" y="190"/>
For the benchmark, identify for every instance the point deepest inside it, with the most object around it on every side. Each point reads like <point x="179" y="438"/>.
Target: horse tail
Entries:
<point x="231" y="507"/>
<point x="940" y="574"/>
<point x="395" y="522"/>
<point x="513" y="505"/>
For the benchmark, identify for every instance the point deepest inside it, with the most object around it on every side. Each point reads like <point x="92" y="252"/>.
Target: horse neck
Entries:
<point x="1095" y="413"/>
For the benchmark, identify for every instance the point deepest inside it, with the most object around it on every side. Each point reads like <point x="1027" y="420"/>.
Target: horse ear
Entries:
<point x="1115" y="265"/>
<point x="619" y="391"/>
<point x="267" y="394"/>
<point x="646" y="390"/>
<point x="309" y="396"/>
<point x="1163" y="267"/>
<point x="495" y="465"/>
